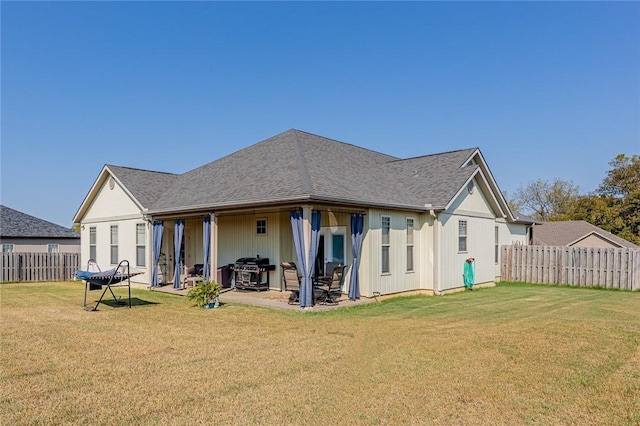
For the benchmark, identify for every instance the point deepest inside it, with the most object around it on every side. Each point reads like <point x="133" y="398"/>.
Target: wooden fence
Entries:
<point x="38" y="266"/>
<point x="617" y="268"/>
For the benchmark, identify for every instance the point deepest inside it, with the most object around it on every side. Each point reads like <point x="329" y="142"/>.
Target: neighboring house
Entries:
<point x="22" y="233"/>
<point x="421" y="217"/>
<point x="576" y="233"/>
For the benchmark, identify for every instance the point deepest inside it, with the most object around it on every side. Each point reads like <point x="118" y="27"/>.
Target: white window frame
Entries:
<point x="463" y="225"/>
<point x="93" y="252"/>
<point x="497" y="245"/>
<point x="261" y="228"/>
<point x="411" y="236"/>
<point x="113" y="244"/>
<point x="141" y="245"/>
<point x="385" y="245"/>
<point x="53" y="248"/>
<point x="8" y="248"/>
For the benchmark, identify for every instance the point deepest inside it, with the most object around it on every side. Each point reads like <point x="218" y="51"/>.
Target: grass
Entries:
<point x="513" y="354"/>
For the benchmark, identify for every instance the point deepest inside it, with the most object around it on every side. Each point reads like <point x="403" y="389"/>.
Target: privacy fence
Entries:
<point x="38" y="266"/>
<point x="617" y="268"/>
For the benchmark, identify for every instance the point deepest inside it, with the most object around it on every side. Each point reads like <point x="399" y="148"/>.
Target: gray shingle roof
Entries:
<point x="562" y="233"/>
<point x="146" y="185"/>
<point x="21" y="225"/>
<point x="298" y="165"/>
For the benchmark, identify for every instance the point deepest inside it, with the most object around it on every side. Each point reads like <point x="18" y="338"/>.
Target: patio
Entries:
<point x="269" y="299"/>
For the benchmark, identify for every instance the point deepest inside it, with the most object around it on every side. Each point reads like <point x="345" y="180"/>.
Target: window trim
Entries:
<point x="385" y="245"/>
<point x="463" y="237"/>
<point x="11" y="248"/>
<point x="53" y="245"/>
<point x="411" y="245"/>
<point x="93" y="245"/>
<point x="141" y="261"/>
<point x="259" y="227"/>
<point x="497" y="245"/>
<point x="113" y="245"/>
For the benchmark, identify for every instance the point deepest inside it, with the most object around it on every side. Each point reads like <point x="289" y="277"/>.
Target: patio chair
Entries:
<point x="191" y="276"/>
<point x="331" y="284"/>
<point x="291" y="281"/>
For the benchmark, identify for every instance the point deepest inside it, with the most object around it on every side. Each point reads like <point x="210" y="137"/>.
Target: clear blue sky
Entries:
<point x="545" y="90"/>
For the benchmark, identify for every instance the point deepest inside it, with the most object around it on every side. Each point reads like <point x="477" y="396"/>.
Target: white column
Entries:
<point x="306" y="233"/>
<point x="149" y="252"/>
<point x="213" y="249"/>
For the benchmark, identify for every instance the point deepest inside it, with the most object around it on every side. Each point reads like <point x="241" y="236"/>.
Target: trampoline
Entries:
<point x="97" y="279"/>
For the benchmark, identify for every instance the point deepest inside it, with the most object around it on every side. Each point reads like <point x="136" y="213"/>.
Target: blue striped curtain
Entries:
<point x="158" y="228"/>
<point x="357" y="224"/>
<point x="178" y="231"/>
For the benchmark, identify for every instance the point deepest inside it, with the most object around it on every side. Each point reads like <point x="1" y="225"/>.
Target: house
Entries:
<point x="576" y="233"/>
<point x="398" y="224"/>
<point x="23" y="233"/>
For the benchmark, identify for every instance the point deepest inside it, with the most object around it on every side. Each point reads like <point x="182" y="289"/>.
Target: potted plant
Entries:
<point x="205" y="294"/>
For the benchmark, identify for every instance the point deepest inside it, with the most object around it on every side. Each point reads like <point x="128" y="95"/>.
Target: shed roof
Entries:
<point x="16" y="224"/>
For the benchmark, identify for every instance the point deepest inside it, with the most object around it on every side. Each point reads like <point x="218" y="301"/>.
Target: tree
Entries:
<point x="546" y="201"/>
<point x="615" y="206"/>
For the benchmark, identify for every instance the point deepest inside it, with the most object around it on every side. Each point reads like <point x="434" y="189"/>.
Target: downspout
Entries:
<point x="436" y="251"/>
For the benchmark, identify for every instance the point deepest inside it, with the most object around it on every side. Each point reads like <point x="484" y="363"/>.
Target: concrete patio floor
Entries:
<point x="269" y="299"/>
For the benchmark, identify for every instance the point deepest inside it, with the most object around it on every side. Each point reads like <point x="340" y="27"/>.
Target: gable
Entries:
<point x="473" y="201"/>
<point x="594" y="240"/>
<point x="111" y="201"/>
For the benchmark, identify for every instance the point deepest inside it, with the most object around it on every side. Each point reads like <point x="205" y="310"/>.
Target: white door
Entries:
<point x="332" y="247"/>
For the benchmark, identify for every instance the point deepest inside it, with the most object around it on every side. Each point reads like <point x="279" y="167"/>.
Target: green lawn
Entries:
<point x="513" y="354"/>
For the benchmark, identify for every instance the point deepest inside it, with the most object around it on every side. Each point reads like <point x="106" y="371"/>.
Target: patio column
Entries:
<point x="306" y="234"/>
<point x="213" y="261"/>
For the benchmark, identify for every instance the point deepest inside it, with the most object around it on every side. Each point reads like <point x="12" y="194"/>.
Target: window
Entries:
<point x="7" y="248"/>
<point x="53" y="248"/>
<point x="261" y="226"/>
<point x="462" y="235"/>
<point x="497" y="246"/>
<point x="386" y="228"/>
<point x="141" y="234"/>
<point x="114" y="244"/>
<point x="410" y="229"/>
<point x="92" y="243"/>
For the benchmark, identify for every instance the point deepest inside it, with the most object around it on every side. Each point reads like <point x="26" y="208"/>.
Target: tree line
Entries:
<point x="614" y="206"/>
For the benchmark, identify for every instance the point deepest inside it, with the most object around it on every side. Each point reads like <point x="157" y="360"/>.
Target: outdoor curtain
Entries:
<point x="178" y="231"/>
<point x="306" y="285"/>
<point x="158" y="227"/>
<point x="357" y="223"/>
<point x="206" y="247"/>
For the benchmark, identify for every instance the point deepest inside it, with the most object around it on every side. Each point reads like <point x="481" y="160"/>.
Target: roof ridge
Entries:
<point x="434" y="154"/>
<point x="303" y="170"/>
<point x="140" y="170"/>
<point x="343" y="143"/>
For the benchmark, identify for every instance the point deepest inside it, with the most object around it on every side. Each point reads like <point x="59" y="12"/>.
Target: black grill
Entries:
<point x="252" y="273"/>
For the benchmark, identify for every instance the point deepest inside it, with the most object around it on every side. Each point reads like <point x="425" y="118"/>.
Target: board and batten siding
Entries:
<point x="237" y="237"/>
<point x="126" y="246"/>
<point x="113" y="206"/>
<point x="474" y="208"/>
<point x="509" y="233"/>
<point x="398" y="279"/>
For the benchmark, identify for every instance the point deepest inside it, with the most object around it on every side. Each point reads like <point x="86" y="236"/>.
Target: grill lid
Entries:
<point x="253" y="261"/>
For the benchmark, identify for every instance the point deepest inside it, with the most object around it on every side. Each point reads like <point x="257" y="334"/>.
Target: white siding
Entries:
<point x="112" y="207"/>
<point x="237" y="238"/>
<point x="398" y="279"/>
<point x="509" y="233"/>
<point x="481" y="220"/>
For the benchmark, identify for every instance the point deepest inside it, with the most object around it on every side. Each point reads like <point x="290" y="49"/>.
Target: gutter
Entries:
<point x="230" y="205"/>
